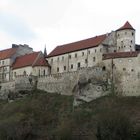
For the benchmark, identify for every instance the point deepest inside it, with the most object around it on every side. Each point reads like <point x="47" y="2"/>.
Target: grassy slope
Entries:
<point x="41" y="116"/>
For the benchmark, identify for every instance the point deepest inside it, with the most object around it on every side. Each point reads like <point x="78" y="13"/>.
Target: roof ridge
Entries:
<point x="81" y="40"/>
<point x="78" y="45"/>
<point x="36" y="59"/>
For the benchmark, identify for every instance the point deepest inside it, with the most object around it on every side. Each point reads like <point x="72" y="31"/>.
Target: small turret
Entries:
<point x="125" y="38"/>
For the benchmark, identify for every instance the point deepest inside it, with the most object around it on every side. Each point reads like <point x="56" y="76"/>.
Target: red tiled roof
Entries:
<point x="25" y="60"/>
<point x="127" y="25"/>
<point x="41" y="62"/>
<point x="32" y="59"/>
<point x="120" y="55"/>
<point x="4" y="54"/>
<point x="80" y="45"/>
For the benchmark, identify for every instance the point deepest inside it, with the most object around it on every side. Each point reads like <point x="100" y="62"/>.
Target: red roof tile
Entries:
<point x="127" y="25"/>
<point x="41" y="62"/>
<point x="32" y="59"/>
<point x="76" y="46"/>
<point x="120" y="55"/>
<point x="25" y="60"/>
<point x="4" y="54"/>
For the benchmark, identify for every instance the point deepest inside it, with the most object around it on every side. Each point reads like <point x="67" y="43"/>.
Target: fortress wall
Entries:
<point x="64" y="83"/>
<point x="126" y="75"/>
<point x="94" y="81"/>
<point x="6" y="88"/>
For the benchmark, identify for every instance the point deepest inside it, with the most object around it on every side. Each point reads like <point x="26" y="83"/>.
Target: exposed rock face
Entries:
<point x="90" y="89"/>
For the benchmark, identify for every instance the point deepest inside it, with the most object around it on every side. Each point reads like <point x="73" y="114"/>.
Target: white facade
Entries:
<point x="29" y="70"/>
<point x="76" y="60"/>
<point x="5" y="70"/>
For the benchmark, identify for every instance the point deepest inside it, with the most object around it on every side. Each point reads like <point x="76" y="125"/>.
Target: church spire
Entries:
<point x="45" y="51"/>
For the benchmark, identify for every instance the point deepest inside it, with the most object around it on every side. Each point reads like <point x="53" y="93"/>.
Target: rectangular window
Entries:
<point x="58" y="59"/>
<point x="78" y="65"/>
<point x="88" y="52"/>
<point x="69" y="56"/>
<point x="100" y="49"/>
<point x="95" y="50"/>
<point x="124" y="69"/>
<point x="94" y="59"/>
<point x="62" y="58"/>
<point x="132" y="70"/>
<point x="71" y="66"/>
<point x="75" y="55"/>
<point x="3" y="62"/>
<point x="57" y="69"/>
<point x="85" y="60"/>
<point x="64" y="67"/>
<point x="51" y="60"/>
<point x="82" y="53"/>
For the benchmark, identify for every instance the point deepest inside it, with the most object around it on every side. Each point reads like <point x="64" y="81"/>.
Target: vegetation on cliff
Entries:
<point x="44" y="116"/>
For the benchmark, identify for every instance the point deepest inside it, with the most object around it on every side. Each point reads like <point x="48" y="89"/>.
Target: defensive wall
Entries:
<point x="85" y="84"/>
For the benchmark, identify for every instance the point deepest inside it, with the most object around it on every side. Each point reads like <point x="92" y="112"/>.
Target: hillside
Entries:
<point x="44" y="116"/>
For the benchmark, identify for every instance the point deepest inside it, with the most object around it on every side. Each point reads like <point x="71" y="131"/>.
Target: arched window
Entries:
<point x="24" y="73"/>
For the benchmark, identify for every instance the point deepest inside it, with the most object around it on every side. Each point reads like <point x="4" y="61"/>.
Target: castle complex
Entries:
<point x="115" y="52"/>
<point x="93" y="51"/>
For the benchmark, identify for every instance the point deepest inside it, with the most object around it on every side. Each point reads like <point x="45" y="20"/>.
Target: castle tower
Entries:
<point x="125" y="38"/>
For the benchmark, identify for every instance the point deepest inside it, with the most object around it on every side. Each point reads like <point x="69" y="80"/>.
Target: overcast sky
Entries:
<point x="57" y="22"/>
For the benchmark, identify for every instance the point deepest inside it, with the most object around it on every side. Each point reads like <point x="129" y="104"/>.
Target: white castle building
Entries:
<point x="93" y="51"/>
<point x="116" y="52"/>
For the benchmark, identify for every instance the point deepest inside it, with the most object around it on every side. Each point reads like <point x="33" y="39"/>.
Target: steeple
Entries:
<point x="45" y="51"/>
<point x="127" y="25"/>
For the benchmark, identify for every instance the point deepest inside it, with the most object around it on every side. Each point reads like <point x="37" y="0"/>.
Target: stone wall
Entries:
<point x="126" y="75"/>
<point x="6" y="88"/>
<point x="14" y="87"/>
<point x="66" y="83"/>
<point x="85" y="84"/>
